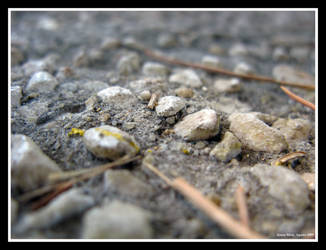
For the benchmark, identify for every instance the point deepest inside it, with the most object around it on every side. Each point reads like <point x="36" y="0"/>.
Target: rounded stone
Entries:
<point x="187" y="77"/>
<point x="201" y="125"/>
<point x="110" y="142"/>
<point x="169" y="105"/>
<point x="42" y="82"/>
<point x="29" y="165"/>
<point x="155" y="69"/>
<point x="227" y="85"/>
<point x="184" y="92"/>
<point x="116" y="95"/>
<point x="117" y="220"/>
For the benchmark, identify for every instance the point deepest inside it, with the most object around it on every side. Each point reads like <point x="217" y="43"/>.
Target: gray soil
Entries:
<point x="48" y="118"/>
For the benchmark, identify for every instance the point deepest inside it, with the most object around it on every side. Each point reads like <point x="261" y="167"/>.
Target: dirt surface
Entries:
<point x="48" y="118"/>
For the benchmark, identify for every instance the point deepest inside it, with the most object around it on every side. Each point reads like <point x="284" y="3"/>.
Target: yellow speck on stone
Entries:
<point x="149" y="151"/>
<point x="76" y="131"/>
<point x="185" y="151"/>
<point x="119" y="137"/>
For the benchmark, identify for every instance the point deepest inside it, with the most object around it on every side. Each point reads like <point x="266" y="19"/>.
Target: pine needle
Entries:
<point x="298" y="98"/>
<point x="170" y="60"/>
<point x="217" y="214"/>
<point x="240" y="199"/>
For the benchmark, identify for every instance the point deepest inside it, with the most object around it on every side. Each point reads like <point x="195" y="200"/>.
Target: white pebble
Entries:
<point x="42" y="82"/>
<point x="238" y="50"/>
<point x="201" y="125"/>
<point x="243" y="68"/>
<point x="145" y="95"/>
<point x="109" y="142"/>
<point x="155" y="69"/>
<point x="227" y="85"/>
<point x="211" y="61"/>
<point x="116" y="95"/>
<point x="169" y="105"/>
<point x="128" y="64"/>
<point x="117" y="220"/>
<point x="29" y="165"/>
<point x="187" y="77"/>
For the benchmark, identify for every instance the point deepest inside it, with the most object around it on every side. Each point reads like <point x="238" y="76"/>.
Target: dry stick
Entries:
<point x="242" y="206"/>
<point x="170" y="60"/>
<point x="298" y="98"/>
<point x="86" y="175"/>
<point x="215" y="213"/>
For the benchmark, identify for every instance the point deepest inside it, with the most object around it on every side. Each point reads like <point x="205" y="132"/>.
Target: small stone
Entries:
<point x="81" y="59"/>
<point x="95" y="86"/>
<point x="201" y="125"/>
<point x="166" y="40"/>
<point x="17" y="56"/>
<point x="211" y="61"/>
<point x="129" y="125"/>
<point x="13" y="210"/>
<point x="155" y="69"/>
<point x="309" y="178"/>
<point x="227" y="149"/>
<point x="171" y="120"/>
<point x="227" y="85"/>
<point x="187" y="77"/>
<point x="184" y="92"/>
<point x="29" y="165"/>
<point x="47" y="64"/>
<point x="285" y="185"/>
<point x="243" y="68"/>
<point x="117" y="220"/>
<point x="123" y="182"/>
<point x="279" y="54"/>
<point x="117" y="95"/>
<point x="255" y="134"/>
<point x="128" y="64"/>
<point x="16" y="95"/>
<point x="48" y="23"/>
<point x="90" y="102"/>
<point x="95" y="55"/>
<point x="42" y="82"/>
<point x="110" y="142"/>
<point x="229" y="105"/>
<point x="216" y="49"/>
<point x="287" y="73"/>
<point x="145" y="95"/>
<point x="300" y="53"/>
<point x="110" y="43"/>
<point x="238" y="50"/>
<point x="66" y="205"/>
<point x="294" y="130"/>
<point x="169" y="105"/>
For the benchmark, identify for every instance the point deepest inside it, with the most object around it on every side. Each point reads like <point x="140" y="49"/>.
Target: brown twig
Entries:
<point x="298" y="98"/>
<point x="200" y="201"/>
<point x="175" y="61"/>
<point x="240" y="199"/>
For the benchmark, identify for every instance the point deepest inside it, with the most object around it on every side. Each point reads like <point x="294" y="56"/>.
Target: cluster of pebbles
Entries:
<point x="207" y="129"/>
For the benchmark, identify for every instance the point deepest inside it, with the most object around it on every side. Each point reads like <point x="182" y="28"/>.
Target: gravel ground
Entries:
<point x="68" y="71"/>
